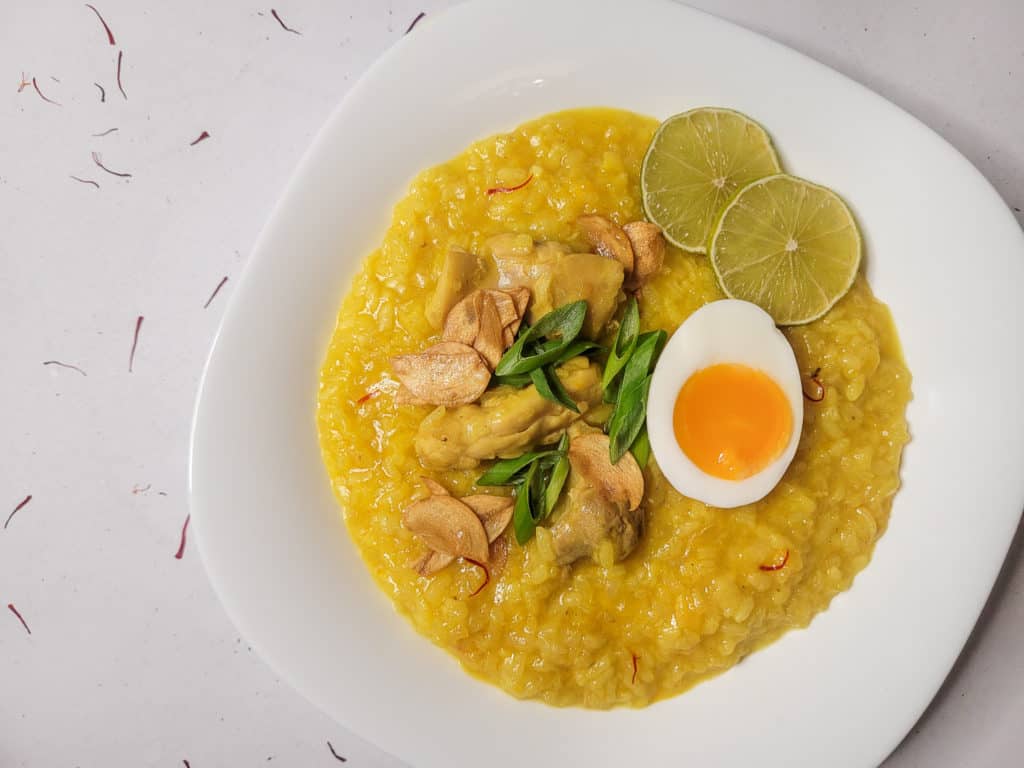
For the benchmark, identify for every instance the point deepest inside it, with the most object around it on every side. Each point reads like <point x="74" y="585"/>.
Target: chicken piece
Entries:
<point x="506" y="422"/>
<point x="588" y="518"/>
<point x="556" y="276"/>
<point x="602" y="501"/>
<point x="607" y="239"/>
<point x="462" y="273"/>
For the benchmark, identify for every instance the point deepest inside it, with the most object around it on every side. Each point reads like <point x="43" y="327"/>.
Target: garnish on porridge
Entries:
<point x="584" y="406"/>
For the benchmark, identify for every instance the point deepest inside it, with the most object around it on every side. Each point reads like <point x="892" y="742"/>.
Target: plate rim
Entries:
<point x="260" y="254"/>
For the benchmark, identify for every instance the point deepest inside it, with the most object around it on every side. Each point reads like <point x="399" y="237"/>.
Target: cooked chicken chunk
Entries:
<point x="607" y="239"/>
<point x="557" y="276"/>
<point x="588" y="518"/>
<point x="505" y="422"/>
<point x="602" y="501"/>
<point x="461" y="274"/>
<point x="553" y="273"/>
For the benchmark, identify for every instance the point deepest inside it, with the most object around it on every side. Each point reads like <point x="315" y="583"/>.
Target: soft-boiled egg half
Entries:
<point x="725" y="405"/>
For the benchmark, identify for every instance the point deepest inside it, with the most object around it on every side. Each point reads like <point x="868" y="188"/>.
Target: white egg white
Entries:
<point x="727" y="331"/>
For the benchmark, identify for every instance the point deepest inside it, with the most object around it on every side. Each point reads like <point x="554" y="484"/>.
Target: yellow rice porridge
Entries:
<point x="705" y="586"/>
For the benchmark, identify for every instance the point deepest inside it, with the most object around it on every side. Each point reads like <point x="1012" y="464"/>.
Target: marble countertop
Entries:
<point x="130" y="659"/>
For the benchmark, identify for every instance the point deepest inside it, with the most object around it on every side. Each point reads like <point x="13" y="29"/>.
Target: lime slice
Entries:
<point x="696" y="162"/>
<point x="787" y="245"/>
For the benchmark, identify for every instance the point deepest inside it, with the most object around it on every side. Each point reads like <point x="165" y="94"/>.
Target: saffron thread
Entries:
<point x="487" y="576"/>
<point x="106" y="132"/>
<point x="84" y="181"/>
<point x="58" y="362"/>
<point x="98" y="159"/>
<point x="21" y="504"/>
<point x="41" y="95"/>
<point x="502" y="190"/>
<point x="120" y="55"/>
<point x="135" y="342"/>
<point x="12" y="609"/>
<point x="103" y="93"/>
<point x="202" y="136"/>
<point x="635" y="668"/>
<point x="284" y="26"/>
<point x="110" y="35"/>
<point x="181" y="546"/>
<point x="415" y="21"/>
<point x="336" y="755"/>
<point x="216" y="291"/>
<point x="776" y="566"/>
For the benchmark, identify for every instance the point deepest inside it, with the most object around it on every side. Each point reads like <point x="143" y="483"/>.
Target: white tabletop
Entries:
<point x="131" y="661"/>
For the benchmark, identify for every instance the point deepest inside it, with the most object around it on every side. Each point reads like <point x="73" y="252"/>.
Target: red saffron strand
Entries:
<point x="636" y="668"/>
<point x="58" y="363"/>
<point x="103" y="93"/>
<point x="97" y="158"/>
<point x="106" y="132"/>
<point x="202" y="136"/>
<point x="84" y="181"/>
<point x="110" y="35"/>
<point x="43" y="97"/>
<point x="181" y="547"/>
<point x="186" y="764"/>
<point x="12" y="609"/>
<point x="415" y="21"/>
<point x="284" y="26"/>
<point x="336" y="755"/>
<point x="487" y="576"/>
<point x="21" y="504"/>
<point x="502" y="190"/>
<point x="776" y="566"/>
<point x="368" y="396"/>
<point x="120" y="55"/>
<point x="216" y="291"/>
<point x="135" y="342"/>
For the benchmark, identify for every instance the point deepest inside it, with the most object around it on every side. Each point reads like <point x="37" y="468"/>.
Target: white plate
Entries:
<point x="943" y="251"/>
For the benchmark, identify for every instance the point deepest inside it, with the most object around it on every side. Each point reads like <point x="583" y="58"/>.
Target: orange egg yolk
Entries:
<point x="732" y="420"/>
